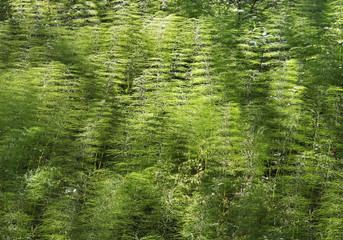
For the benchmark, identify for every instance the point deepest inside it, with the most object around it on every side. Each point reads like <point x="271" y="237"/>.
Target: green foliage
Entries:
<point x="167" y="119"/>
<point x="123" y="208"/>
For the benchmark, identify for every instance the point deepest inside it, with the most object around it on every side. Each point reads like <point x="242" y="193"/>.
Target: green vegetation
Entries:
<point x="171" y="119"/>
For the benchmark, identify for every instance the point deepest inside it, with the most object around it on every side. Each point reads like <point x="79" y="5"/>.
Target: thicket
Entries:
<point x="170" y="119"/>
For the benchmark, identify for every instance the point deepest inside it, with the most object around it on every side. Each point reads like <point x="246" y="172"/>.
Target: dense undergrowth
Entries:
<point x="167" y="119"/>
